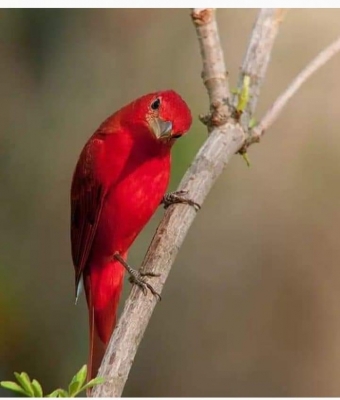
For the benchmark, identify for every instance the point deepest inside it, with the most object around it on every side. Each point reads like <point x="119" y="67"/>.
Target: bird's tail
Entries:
<point x="103" y="288"/>
<point x="97" y="348"/>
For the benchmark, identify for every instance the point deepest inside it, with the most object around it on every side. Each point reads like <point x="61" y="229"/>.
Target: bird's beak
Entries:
<point x="161" y="129"/>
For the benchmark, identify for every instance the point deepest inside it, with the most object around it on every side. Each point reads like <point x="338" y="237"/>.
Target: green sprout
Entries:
<point x="246" y="158"/>
<point x="243" y="95"/>
<point x="32" y="388"/>
<point x="252" y="123"/>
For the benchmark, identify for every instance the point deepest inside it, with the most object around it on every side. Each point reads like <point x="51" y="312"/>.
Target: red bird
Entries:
<point x="119" y="181"/>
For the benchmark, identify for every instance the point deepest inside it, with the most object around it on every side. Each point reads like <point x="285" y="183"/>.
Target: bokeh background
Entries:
<point x="252" y="305"/>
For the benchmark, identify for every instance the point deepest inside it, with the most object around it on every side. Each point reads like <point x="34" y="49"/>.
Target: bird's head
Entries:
<point x="165" y="113"/>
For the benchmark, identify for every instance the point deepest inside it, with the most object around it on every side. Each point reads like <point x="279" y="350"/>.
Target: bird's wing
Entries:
<point x="87" y="198"/>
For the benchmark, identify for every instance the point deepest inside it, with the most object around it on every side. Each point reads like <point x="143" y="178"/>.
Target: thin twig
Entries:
<point x="223" y="142"/>
<point x="276" y="109"/>
<point x="214" y="74"/>
<point x="257" y="57"/>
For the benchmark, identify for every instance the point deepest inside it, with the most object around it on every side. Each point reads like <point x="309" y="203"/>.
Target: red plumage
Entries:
<point x="119" y="181"/>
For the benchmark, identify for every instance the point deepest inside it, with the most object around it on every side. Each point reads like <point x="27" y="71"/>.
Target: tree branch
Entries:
<point x="214" y="73"/>
<point x="277" y="107"/>
<point x="225" y="139"/>
<point x="257" y="57"/>
<point x="209" y="163"/>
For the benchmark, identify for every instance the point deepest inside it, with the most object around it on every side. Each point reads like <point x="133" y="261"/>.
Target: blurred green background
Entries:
<point x="251" y="307"/>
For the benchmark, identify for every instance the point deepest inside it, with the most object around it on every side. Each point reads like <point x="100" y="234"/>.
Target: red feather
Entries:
<point x="119" y="181"/>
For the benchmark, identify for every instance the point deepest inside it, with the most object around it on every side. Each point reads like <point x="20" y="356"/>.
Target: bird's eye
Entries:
<point x="155" y="105"/>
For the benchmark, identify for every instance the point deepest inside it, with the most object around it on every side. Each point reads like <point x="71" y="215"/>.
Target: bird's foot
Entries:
<point x="138" y="278"/>
<point x="179" y="197"/>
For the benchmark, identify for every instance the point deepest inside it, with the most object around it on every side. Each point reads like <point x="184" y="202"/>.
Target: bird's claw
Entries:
<point x="138" y="278"/>
<point x="179" y="197"/>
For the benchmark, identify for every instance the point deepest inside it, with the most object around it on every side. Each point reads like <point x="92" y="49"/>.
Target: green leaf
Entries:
<point x="25" y="383"/>
<point x="38" y="392"/>
<point x="58" y="393"/>
<point x="63" y="393"/>
<point x="13" y="386"/>
<point x="74" y="388"/>
<point x="55" y="393"/>
<point x="80" y="376"/>
<point x="77" y="381"/>
<point x="93" y="382"/>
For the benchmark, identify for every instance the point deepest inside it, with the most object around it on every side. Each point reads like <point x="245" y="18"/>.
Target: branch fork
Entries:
<point x="227" y="136"/>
